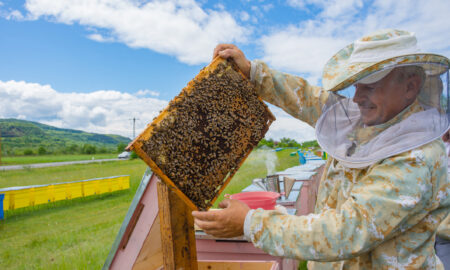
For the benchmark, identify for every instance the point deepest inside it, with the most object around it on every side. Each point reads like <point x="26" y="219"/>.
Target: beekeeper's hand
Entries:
<point x="225" y="223"/>
<point x="231" y="51"/>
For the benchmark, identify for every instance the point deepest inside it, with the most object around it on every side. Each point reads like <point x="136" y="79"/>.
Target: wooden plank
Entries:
<point x="227" y="265"/>
<point x="151" y="257"/>
<point x="288" y="184"/>
<point x="177" y="231"/>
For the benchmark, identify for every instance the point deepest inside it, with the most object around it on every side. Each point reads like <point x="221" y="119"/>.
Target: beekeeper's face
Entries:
<point x="379" y="102"/>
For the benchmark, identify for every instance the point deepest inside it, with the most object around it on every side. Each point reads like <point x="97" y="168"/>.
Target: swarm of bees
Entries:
<point x="206" y="132"/>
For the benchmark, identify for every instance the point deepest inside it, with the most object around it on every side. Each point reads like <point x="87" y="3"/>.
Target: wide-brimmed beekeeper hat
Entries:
<point x="367" y="61"/>
<point x="375" y="55"/>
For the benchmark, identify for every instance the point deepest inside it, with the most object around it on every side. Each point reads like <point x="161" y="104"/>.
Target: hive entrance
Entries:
<point x="199" y="141"/>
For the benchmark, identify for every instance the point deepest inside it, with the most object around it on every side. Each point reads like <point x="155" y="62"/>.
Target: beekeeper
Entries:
<point x="380" y="115"/>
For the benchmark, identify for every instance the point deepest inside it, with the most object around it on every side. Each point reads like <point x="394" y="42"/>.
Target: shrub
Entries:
<point x="133" y="155"/>
<point x="89" y="149"/>
<point x="28" y="152"/>
<point x="121" y="147"/>
<point x="42" y="150"/>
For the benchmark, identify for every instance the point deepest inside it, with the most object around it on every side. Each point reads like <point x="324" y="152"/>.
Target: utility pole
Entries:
<point x="134" y="126"/>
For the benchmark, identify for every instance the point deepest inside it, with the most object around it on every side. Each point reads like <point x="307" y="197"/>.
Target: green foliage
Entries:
<point x="73" y="148"/>
<point x="264" y="142"/>
<point x="133" y="155"/>
<point x="102" y="150"/>
<point x="308" y="144"/>
<point x="19" y="135"/>
<point x="286" y="142"/>
<point x="42" y="150"/>
<point x="121" y="147"/>
<point x="89" y="149"/>
<point x="28" y="152"/>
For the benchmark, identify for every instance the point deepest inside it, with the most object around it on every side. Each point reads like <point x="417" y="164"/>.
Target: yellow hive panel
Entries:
<point x="203" y="136"/>
<point x="40" y="195"/>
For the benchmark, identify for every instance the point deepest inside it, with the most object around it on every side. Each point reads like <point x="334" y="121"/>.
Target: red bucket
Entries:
<point x="257" y="199"/>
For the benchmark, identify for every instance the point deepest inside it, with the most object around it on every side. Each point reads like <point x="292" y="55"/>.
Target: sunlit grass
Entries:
<point x="78" y="234"/>
<point x="20" y="160"/>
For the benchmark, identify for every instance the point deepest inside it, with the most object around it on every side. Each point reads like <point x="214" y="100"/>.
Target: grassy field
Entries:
<point x="78" y="234"/>
<point x="20" y="160"/>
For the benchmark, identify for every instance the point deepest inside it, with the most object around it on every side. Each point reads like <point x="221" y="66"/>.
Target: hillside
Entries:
<point x="19" y="135"/>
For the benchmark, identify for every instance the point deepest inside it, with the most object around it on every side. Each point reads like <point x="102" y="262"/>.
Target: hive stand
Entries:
<point x="157" y="232"/>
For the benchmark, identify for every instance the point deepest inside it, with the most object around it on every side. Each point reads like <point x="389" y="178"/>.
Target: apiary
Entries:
<point x="205" y="133"/>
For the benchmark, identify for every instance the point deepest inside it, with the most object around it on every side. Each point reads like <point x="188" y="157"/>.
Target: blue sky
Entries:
<point x="94" y="65"/>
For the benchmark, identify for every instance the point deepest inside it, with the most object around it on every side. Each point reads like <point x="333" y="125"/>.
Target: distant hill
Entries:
<point x="18" y="135"/>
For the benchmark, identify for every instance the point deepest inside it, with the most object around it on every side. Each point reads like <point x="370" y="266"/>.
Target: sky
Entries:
<point x="94" y="65"/>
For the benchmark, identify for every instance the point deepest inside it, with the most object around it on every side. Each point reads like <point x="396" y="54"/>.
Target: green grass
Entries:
<point x="30" y="176"/>
<point x="78" y="234"/>
<point x="74" y="234"/>
<point x="21" y="160"/>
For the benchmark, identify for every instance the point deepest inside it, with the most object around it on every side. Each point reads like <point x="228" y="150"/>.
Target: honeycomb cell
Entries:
<point x="202" y="137"/>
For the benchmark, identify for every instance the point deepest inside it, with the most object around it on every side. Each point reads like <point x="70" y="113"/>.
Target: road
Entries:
<point x="52" y="164"/>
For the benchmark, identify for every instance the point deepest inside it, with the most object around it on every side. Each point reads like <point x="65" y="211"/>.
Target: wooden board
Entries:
<point x="244" y="137"/>
<point x="177" y="231"/>
<point x="227" y="265"/>
<point x="151" y="256"/>
<point x="288" y="184"/>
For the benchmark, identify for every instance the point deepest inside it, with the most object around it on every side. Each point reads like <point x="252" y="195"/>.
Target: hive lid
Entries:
<point x="203" y="136"/>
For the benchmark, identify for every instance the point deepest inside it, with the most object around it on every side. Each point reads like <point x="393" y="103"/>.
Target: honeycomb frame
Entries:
<point x="218" y="67"/>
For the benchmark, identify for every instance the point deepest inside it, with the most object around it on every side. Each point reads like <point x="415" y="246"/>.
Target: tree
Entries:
<point x="133" y="155"/>
<point x="28" y="152"/>
<point x="121" y="147"/>
<point x="268" y="143"/>
<point x="42" y="150"/>
<point x="72" y="149"/>
<point x="89" y="149"/>
<point x="287" y="142"/>
<point x="308" y="144"/>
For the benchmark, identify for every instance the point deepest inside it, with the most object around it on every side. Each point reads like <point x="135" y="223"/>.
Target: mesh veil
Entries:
<point x="341" y="121"/>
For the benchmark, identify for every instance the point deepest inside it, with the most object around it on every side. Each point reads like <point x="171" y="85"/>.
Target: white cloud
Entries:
<point x="292" y="51"/>
<point x="267" y="7"/>
<point x="305" y="47"/>
<point x="12" y="15"/>
<point x="102" y="111"/>
<point x="176" y="27"/>
<point x="145" y="92"/>
<point x="289" y="127"/>
<point x="244" y="16"/>
<point x="100" y="38"/>
<point x="108" y="111"/>
<point x="329" y="8"/>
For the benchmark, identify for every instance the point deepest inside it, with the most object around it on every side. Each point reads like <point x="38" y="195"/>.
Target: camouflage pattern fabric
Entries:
<point x="384" y="216"/>
<point x="444" y="229"/>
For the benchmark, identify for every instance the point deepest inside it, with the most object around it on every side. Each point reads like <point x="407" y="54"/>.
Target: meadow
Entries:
<point x="21" y="160"/>
<point x="78" y="234"/>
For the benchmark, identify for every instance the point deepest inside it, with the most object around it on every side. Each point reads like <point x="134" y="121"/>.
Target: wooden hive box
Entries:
<point x="205" y="133"/>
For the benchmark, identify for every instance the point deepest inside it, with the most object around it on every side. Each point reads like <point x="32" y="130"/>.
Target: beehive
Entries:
<point x="203" y="136"/>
